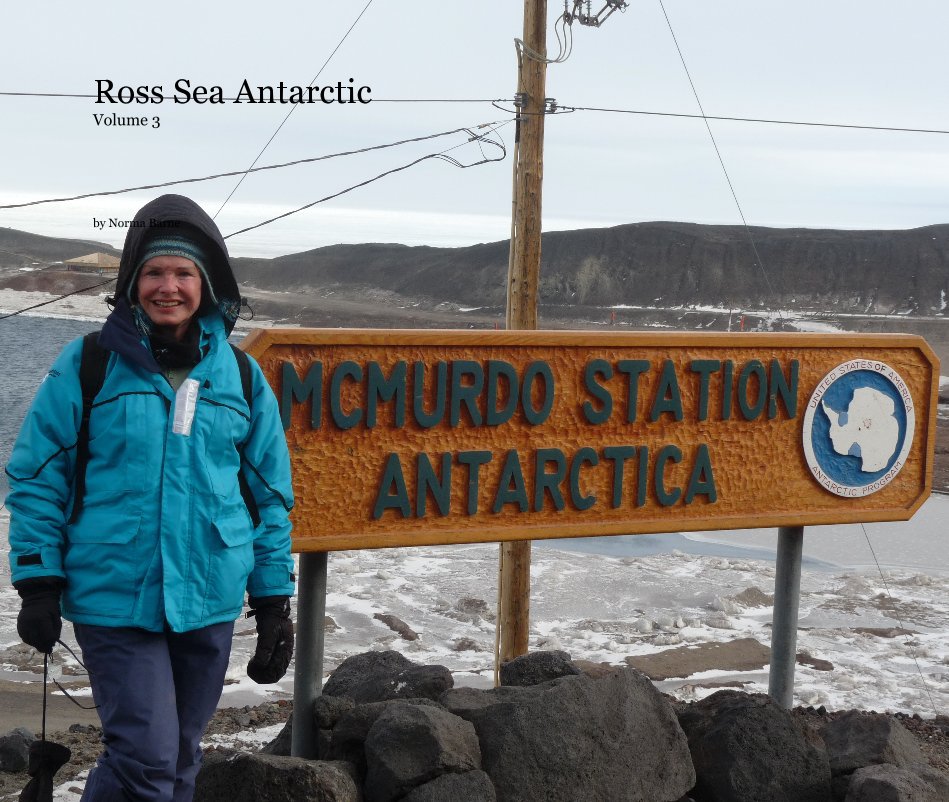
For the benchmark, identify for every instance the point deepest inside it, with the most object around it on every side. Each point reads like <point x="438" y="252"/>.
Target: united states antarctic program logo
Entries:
<point x="858" y="427"/>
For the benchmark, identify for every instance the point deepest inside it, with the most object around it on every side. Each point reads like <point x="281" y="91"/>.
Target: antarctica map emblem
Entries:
<point x="858" y="428"/>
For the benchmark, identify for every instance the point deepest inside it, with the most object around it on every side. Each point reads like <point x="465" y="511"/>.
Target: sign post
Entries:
<point x="402" y="438"/>
<point x="308" y="666"/>
<point x="787" y="601"/>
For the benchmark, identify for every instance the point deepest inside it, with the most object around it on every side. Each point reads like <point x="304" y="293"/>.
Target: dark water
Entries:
<point x="28" y="346"/>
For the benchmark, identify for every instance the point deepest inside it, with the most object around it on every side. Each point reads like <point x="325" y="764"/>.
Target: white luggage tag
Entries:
<point x="186" y="399"/>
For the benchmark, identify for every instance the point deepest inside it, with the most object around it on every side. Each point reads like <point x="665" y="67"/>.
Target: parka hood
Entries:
<point x="180" y="215"/>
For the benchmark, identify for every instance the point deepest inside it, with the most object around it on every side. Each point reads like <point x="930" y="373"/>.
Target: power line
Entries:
<point x="440" y="155"/>
<point x="472" y="137"/>
<point x="54" y="300"/>
<point x="242" y="172"/>
<point x="82" y="96"/>
<point x="601" y="109"/>
<point x="292" y="109"/>
<point x="889" y="128"/>
<point x="440" y="100"/>
<point x="899" y="620"/>
<point x="721" y="161"/>
<point x="44" y="94"/>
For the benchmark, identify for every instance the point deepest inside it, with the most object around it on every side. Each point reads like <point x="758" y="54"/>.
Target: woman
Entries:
<point x="151" y="556"/>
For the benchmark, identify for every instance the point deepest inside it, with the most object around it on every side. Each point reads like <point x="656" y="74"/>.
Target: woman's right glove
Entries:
<point x="40" y="621"/>
<point x="274" y="638"/>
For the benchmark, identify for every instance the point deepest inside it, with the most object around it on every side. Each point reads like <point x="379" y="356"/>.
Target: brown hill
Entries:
<point x="21" y="249"/>
<point x="652" y="264"/>
<point x="642" y="264"/>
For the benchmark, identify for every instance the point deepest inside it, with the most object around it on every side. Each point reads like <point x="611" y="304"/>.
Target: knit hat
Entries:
<point x="174" y="245"/>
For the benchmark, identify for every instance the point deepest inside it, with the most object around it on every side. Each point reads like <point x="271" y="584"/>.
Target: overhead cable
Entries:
<point x="721" y="161"/>
<point x="602" y="109"/>
<point x="564" y="42"/>
<point x="766" y="121"/>
<point x="241" y="172"/>
<point x="441" y="155"/>
<point x="899" y="621"/>
<point x="234" y="100"/>
<point x="481" y="139"/>
<point x="292" y="109"/>
<point x="54" y="300"/>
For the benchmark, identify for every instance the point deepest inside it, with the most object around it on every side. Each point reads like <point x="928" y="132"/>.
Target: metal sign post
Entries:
<point x="308" y="669"/>
<point x="787" y="600"/>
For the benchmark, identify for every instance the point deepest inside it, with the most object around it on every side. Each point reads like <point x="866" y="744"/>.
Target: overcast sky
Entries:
<point x="867" y="63"/>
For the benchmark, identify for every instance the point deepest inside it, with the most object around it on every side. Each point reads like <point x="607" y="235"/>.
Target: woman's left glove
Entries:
<point x="274" y="638"/>
<point x="40" y="621"/>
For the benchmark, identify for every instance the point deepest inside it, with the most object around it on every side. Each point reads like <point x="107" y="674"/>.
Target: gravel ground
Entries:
<point x="83" y="740"/>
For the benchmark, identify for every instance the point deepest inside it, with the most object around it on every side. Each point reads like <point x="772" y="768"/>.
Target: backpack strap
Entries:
<point x="91" y="376"/>
<point x="243" y="365"/>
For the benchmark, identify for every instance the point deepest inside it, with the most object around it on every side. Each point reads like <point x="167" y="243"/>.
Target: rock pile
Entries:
<point x="389" y="729"/>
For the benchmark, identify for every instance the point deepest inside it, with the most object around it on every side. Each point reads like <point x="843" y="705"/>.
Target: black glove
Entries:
<point x="274" y="638"/>
<point x="40" y="622"/>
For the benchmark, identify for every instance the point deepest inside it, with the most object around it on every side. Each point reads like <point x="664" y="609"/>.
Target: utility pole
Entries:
<point x="523" y="280"/>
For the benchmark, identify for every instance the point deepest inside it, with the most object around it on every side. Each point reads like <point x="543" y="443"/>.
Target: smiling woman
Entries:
<point x="169" y="292"/>
<point x="143" y="536"/>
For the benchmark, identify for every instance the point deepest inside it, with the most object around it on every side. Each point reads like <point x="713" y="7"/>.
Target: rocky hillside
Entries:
<point x="22" y="249"/>
<point x="640" y="264"/>
<point x="662" y="264"/>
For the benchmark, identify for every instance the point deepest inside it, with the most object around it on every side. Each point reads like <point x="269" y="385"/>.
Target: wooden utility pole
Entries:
<point x="523" y="280"/>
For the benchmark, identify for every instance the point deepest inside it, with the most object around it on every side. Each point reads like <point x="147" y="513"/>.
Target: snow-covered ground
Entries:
<point x="884" y="633"/>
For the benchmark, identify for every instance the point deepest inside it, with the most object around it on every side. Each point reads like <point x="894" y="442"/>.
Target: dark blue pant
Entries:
<point x="156" y="692"/>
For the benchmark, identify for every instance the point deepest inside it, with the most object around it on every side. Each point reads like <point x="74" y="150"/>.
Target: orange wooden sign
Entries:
<point x="402" y="438"/>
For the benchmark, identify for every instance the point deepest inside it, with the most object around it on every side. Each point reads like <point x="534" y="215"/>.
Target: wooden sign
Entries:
<point x="404" y="438"/>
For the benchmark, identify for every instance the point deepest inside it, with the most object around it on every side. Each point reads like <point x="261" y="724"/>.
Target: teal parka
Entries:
<point x="164" y="538"/>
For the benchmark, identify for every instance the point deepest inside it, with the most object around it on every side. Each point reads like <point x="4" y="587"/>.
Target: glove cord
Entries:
<point x="45" y="683"/>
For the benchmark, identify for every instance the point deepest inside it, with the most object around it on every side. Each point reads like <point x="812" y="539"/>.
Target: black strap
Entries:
<point x="243" y="365"/>
<point x="91" y="376"/>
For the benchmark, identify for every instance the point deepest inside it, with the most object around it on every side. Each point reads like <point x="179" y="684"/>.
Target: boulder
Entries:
<point x="378" y="676"/>
<point x="857" y="739"/>
<point x="242" y="777"/>
<point x="397" y="625"/>
<point x="349" y="735"/>
<point x="328" y="710"/>
<point x="536" y="667"/>
<point x="409" y="745"/>
<point x="472" y="786"/>
<point x="888" y="783"/>
<point x="282" y="743"/>
<point x="15" y="750"/>
<point x="578" y="737"/>
<point x="740" y="654"/>
<point x="746" y="748"/>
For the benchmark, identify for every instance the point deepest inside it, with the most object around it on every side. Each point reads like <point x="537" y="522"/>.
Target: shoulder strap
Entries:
<point x="243" y="365"/>
<point x="91" y="376"/>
